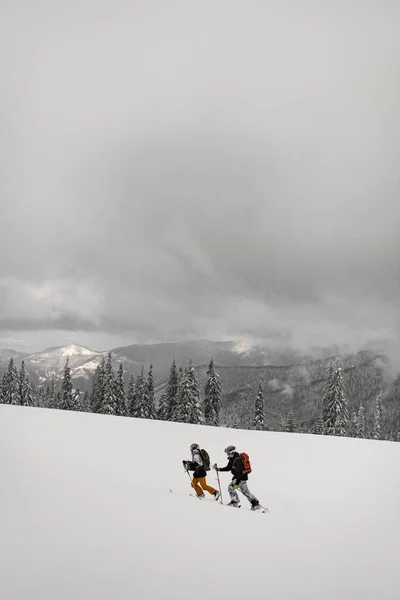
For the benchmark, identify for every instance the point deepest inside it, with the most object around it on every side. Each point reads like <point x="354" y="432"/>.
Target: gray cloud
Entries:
<point x="211" y="171"/>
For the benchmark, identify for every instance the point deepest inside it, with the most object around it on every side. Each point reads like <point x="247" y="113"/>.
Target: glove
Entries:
<point x="184" y="462"/>
<point x="235" y="484"/>
<point x="215" y="467"/>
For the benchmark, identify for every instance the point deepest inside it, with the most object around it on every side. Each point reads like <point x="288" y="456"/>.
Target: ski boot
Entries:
<point x="233" y="503"/>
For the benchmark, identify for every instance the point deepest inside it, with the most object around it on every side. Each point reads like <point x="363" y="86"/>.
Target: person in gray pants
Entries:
<point x="239" y="480"/>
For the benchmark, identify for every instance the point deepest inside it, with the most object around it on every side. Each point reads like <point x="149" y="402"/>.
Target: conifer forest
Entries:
<point x="183" y="399"/>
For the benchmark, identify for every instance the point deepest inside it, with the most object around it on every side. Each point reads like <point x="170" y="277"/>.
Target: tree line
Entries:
<point x="181" y="400"/>
<point x="109" y="395"/>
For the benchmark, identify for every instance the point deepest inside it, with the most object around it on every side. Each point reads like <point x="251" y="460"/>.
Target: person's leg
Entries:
<point x="209" y="488"/>
<point x="195" y="485"/>
<point x="206" y="487"/>
<point x="246" y="492"/>
<point x="233" y="494"/>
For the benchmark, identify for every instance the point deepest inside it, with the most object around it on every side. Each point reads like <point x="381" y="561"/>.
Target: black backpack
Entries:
<point x="206" y="459"/>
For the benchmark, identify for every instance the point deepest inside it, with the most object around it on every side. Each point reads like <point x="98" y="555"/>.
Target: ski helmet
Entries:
<point x="230" y="450"/>
<point x="194" y="447"/>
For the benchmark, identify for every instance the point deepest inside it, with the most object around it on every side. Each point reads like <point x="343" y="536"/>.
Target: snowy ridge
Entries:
<point x="51" y="362"/>
<point x="87" y="369"/>
<point x="87" y="520"/>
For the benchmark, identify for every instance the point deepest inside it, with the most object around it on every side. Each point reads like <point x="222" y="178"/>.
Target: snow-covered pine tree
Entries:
<point x="85" y="403"/>
<point x="327" y="397"/>
<point x="318" y="428"/>
<point x="97" y="393"/>
<point x="25" y="388"/>
<point x="120" y="392"/>
<point x="162" y="407"/>
<point x="378" y="417"/>
<point x="140" y="388"/>
<point x="41" y="397"/>
<point x="282" y="424"/>
<point x="67" y="400"/>
<point x="194" y="415"/>
<point x="167" y="409"/>
<point x="76" y="397"/>
<point x="47" y="397"/>
<point x="361" y="422"/>
<point x="149" y="398"/>
<point x="51" y="398"/>
<point x="131" y="397"/>
<point x="109" y="405"/>
<point x="3" y="389"/>
<point x="353" y="424"/>
<point x="335" y="412"/>
<point x="291" y="423"/>
<point x="258" y="421"/>
<point x="182" y="408"/>
<point x="177" y="412"/>
<point x="212" y="396"/>
<point x="10" y="385"/>
<point x="35" y="395"/>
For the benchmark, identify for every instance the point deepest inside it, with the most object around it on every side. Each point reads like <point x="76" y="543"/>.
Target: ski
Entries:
<point x="196" y="496"/>
<point x="262" y="509"/>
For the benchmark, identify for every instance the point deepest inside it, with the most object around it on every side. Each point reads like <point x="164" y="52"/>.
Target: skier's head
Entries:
<point x="194" y="447"/>
<point x="230" y="451"/>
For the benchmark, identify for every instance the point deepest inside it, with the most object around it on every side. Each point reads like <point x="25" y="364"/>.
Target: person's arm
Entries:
<point x="227" y="468"/>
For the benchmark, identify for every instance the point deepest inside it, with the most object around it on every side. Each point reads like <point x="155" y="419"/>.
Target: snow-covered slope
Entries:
<point x="86" y="513"/>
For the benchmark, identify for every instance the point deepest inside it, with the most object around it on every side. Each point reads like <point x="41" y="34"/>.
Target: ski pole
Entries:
<point x="219" y="485"/>
<point x="188" y="474"/>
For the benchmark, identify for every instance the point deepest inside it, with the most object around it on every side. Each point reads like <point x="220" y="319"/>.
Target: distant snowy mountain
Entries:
<point x="42" y="366"/>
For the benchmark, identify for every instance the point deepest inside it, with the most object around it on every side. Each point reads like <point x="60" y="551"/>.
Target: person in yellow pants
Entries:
<point x="199" y="482"/>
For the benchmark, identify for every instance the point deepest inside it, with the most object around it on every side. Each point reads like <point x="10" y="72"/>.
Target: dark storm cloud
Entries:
<point x="169" y="176"/>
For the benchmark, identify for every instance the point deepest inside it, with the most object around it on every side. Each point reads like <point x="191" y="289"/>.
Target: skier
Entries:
<point x="239" y="480"/>
<point x="199" y="482"/>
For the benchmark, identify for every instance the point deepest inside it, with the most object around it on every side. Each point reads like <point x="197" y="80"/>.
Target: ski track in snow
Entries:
<point x="87" y="513"/>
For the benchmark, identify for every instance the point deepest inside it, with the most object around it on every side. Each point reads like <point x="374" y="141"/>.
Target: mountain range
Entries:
<point x="42" y="366"/>
<point x="290" y="380"/>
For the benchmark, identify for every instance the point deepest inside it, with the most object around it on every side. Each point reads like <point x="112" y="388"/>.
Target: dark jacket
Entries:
<point x="196" y="465"/>
<point x="235" y="466"/>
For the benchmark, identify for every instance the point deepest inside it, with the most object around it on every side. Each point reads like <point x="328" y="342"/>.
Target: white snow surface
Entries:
<point x="86" y="513"/>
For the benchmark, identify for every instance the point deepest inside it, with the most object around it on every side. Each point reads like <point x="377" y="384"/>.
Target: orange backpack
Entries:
<point x="246" y="462"/>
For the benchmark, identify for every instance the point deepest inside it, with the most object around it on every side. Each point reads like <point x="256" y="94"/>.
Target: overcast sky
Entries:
<point x="185" y="169"/>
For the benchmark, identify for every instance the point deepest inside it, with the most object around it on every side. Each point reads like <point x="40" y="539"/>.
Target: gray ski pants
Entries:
<point x="242" y="488"/>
